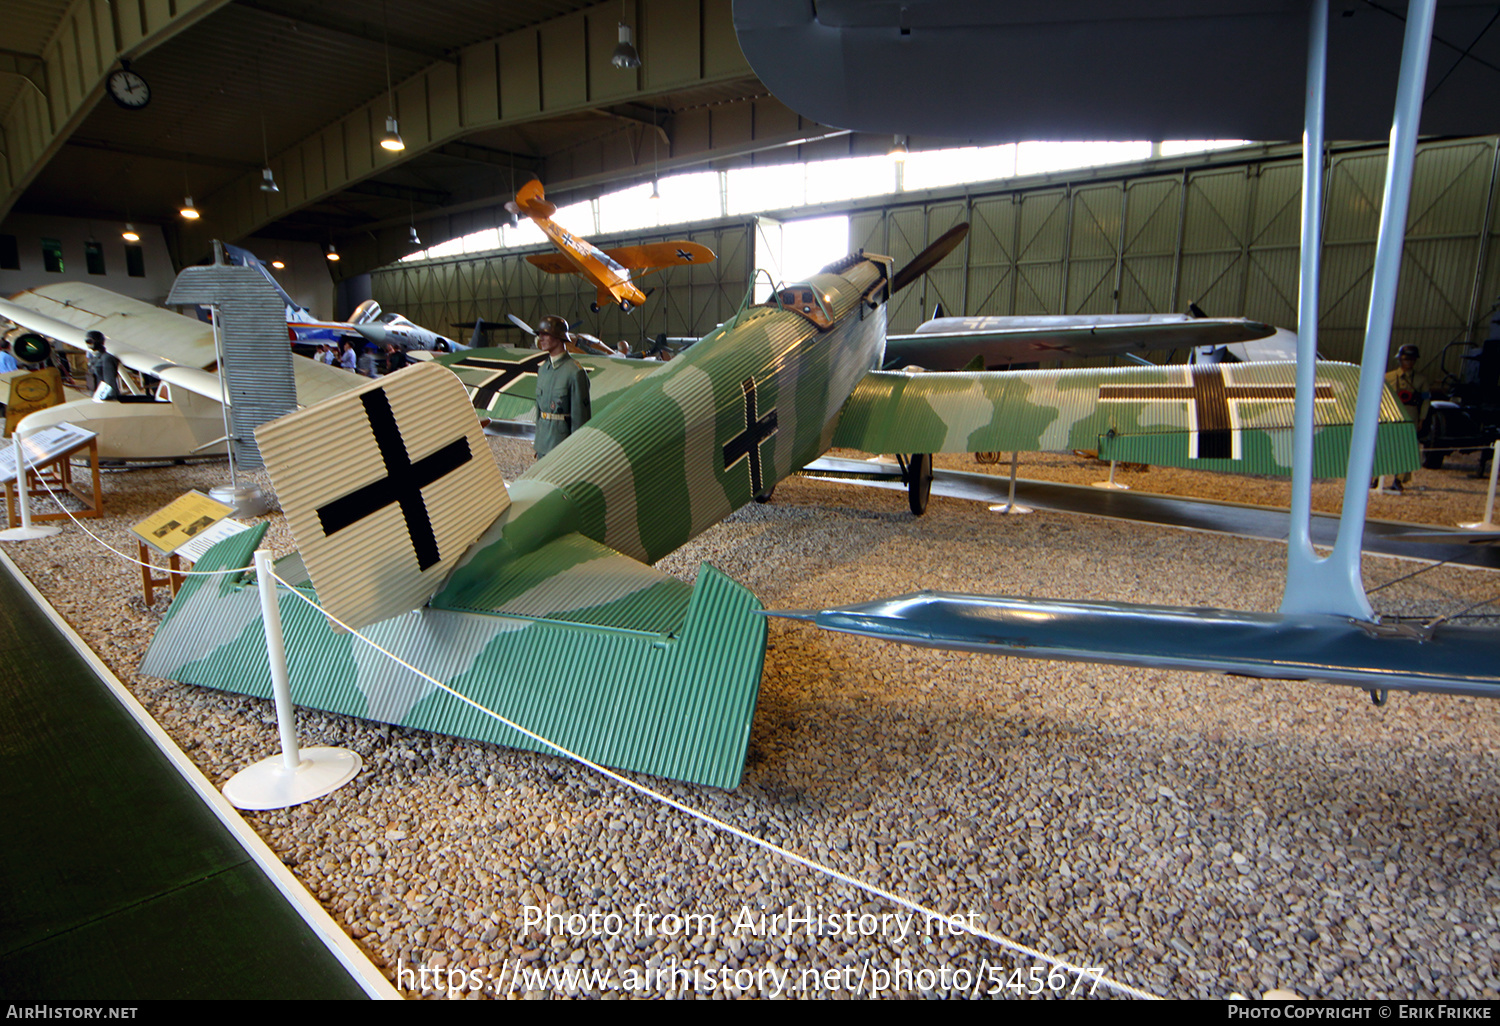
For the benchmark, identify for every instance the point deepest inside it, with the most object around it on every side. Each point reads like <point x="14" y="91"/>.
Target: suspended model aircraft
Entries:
<point x="614" y="272"/>
<point x="177" y="350"/>
<point x="539" y="602"/>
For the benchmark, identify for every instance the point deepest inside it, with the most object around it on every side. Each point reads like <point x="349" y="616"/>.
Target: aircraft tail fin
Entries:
<point x="380" y="529"/>
<point x="242" y="257"/>
<point x="367" y="312"/>
<point x="532" y="202"/>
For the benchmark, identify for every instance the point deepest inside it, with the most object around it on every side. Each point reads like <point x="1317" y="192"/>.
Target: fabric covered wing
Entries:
<point x="552" y="263"/>
<point x="660" y="254"/>
<point x="1229" y="417"/>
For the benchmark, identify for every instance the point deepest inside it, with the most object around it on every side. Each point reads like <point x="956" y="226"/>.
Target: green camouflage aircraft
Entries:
<point x="538" y="601"/>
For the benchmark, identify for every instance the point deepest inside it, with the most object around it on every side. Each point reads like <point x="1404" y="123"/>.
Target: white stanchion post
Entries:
<point x="1488" y="523"/>
<point x="297" y="775"/>
<point x="1010" y="503"/>
<point x="1111" y="482"/>
<point x="27" y="531"/>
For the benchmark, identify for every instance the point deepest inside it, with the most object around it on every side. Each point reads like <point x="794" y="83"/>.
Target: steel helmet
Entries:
<point x="554" y="326"/>
<point x="1408" y="350"/>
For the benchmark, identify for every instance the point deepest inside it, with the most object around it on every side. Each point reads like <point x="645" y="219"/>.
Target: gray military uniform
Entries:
<point x="562" y="402"/>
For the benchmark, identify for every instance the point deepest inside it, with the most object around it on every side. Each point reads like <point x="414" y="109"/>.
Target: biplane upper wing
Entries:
<point x="1226" y="417"/>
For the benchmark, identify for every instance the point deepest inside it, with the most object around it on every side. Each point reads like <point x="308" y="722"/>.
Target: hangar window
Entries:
<point x="52" y="258"/>
<point x="93" y="255"/>
<point x="135" y="261"/>
<point x="10" y="253"/>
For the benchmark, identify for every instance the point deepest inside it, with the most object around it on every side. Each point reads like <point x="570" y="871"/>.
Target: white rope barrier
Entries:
<point x="954" y="924"/>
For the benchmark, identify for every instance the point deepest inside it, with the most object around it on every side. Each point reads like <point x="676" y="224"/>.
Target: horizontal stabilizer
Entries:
<point x="674" y="704"/>
<point x="1445" y="659"/>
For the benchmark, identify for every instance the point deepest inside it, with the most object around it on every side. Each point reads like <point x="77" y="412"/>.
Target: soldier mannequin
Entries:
<point x="562" y="388"/>
<point x="1414" y="390"/>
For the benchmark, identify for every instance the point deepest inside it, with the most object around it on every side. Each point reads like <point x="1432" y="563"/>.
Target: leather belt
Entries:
<point x="555" y="416"/>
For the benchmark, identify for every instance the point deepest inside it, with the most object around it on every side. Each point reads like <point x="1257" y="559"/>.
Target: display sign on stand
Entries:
<point x="183" y="529"/>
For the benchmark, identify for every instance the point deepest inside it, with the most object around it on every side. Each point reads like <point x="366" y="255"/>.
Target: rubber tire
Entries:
<point x="918" y="482"/>
<point x="765" y="496"/>
<point x="594" y="307"/>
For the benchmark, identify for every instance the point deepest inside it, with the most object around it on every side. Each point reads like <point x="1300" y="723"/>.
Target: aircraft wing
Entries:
<point x="655" y="255"/>
<point x="68" y="310"/>
<point x="1226" y="417"/>
<point x="501" y="380"/>
<point x="552" y="263"/>
<point x="949" y="343"/>
<point x="179" y="350"/>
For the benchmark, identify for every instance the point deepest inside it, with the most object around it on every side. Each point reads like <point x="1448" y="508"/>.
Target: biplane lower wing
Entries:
<point x="1225" y="417"/>
<point x="1376" y="657"/>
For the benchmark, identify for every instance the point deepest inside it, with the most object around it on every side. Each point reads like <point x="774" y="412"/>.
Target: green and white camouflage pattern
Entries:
<point x="1229" y="417"/>
<point x="554" y="618"/>
<point x="675" y="701"/>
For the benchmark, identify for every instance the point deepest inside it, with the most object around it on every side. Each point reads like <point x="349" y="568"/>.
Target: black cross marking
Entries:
<point x="684" y="255"/>
<point x="506" y="371"/>
<point x="403" y="482"/>
<point x="746" y="444"/>
<point x="1211" y="419"/>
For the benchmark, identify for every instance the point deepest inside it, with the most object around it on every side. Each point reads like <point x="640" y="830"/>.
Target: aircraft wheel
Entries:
<point x="626" y="305"/>
<point x="594" y="307"/>
<point x="765" y="496"/>
<point x="918" y="482"/>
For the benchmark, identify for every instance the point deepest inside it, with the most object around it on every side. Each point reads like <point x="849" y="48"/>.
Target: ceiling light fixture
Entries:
<point x="391" y="141"/>
<point x="655" y="193"/>
<point x="279" y="264"/>
<point x="130" y="234"/>
<point x="625" y="56"/>
<point x="333" y="253"/>
<point x="415" y="240"/>
<point x="899" y="151"/>
<point x="268" y="181"/>
<point x="187" y="210"/>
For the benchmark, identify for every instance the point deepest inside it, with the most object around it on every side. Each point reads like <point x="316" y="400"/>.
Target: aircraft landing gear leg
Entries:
<point x="918" y="482"/>
<point x="1379" y="696"/>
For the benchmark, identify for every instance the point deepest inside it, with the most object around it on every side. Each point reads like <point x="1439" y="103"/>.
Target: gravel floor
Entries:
<point x="1191" y="835"/>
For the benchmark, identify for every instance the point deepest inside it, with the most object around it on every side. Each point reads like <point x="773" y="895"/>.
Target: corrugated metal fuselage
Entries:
<point x="703" y="436"/>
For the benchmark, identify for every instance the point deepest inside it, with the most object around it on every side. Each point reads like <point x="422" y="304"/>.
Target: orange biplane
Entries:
<point x="614" y="272"/>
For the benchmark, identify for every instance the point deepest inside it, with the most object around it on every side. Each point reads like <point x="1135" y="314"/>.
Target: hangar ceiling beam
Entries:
<point x="158" y="153"/>
<point x="90" y="38"/>
<point x="559" y="67"/>
<point x="368" y="31"/>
